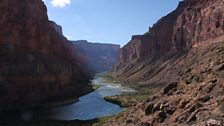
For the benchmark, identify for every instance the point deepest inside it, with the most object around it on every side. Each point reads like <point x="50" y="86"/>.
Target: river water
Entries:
<point x="89" y="106"/>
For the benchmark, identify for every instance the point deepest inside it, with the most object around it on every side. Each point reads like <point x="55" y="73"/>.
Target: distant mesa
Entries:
<point x="99" y="56"/>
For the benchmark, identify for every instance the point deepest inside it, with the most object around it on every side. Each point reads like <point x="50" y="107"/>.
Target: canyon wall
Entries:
<point x="98" y="56"/>
<point x="178" y="67"/>
<point x="194" y="23"/>
<point x="189" y="25"/>
<point x="37" y="63"/>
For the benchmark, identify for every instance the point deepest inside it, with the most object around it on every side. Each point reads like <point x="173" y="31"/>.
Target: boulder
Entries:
<point x="169" y="87"/>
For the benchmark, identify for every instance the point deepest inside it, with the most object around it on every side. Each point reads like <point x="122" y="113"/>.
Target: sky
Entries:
<point x="107" y="21"/>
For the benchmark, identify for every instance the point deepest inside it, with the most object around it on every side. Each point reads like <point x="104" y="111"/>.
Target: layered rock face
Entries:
<point x="194" y="23"/>
<point x="183" y="51"/>
<point x="37" y="63"/>
<point x="100" y="57"/>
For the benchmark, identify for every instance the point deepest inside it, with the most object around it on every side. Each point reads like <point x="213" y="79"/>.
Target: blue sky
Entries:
<point x="107" y="21"/>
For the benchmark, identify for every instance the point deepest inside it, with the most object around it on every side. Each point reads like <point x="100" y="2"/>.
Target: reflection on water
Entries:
<point x="90" y="106"/>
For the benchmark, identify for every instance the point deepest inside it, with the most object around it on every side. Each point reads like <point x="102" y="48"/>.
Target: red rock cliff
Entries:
<point x="37" y="63"/>
<point x="193" y="23"/>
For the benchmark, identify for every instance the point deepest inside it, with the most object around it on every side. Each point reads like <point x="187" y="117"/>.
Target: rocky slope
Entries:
<point x="37" y="63"/>
<point x="101" y="57"/>
<point x="193" y="96"/>
<point x="183" y="50"/>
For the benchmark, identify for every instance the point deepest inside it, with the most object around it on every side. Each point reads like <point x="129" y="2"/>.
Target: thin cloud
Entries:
<point x="60" y="3"/>
<point x="68" y="37"/>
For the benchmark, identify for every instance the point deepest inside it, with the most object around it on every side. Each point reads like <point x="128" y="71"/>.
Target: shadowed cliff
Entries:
<point x="37" y="63"/>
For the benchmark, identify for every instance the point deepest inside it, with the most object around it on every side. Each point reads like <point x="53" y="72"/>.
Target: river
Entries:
<point x="88" y="107"/>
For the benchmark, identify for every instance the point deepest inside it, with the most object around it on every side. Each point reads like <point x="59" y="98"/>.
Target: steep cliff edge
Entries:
<point x="193" y="24"/>
<point x="184" y="51"/>
<point x="101" y="57"/>
<point x="37" y="63"/>
<point x="57" y="28"/>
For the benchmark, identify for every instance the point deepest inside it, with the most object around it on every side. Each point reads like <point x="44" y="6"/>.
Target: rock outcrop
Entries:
<point x="98" y="56"/>
<point x="37" y="63"/>
<point x="194" y="23"/>
<point x="57" y="27"/>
